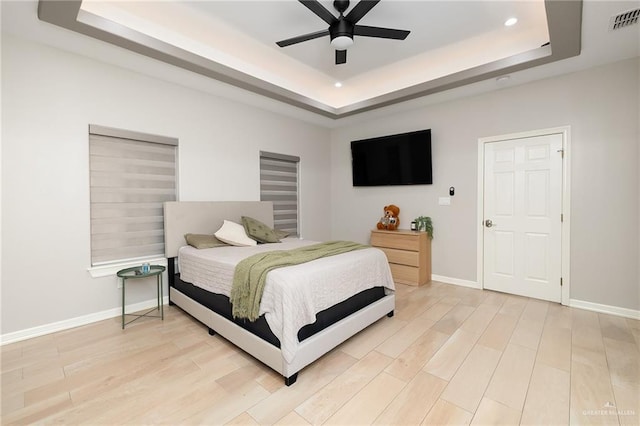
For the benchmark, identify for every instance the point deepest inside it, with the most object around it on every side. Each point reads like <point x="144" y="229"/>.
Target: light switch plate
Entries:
<point x="444" y="201"/>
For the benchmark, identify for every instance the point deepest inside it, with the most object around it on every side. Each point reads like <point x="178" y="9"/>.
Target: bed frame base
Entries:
<point x="309" y="349"/>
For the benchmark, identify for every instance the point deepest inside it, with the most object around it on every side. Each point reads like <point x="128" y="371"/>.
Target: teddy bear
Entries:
<point x="390" y="220"/>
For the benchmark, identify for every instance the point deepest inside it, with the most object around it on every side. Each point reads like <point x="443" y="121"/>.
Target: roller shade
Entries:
<point x="279" y="184"/>
<point x="131" y="176"/>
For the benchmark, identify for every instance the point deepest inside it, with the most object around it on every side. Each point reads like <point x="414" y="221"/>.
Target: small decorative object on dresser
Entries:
<point x="390" y="220"/>
<point x="424" y="223"/>
<point x="408" y="253"/>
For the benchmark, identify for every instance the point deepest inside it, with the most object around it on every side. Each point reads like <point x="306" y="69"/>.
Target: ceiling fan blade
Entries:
<point x="360" y="9"/>
<point x="301" y="38"/>
<point x="319" y="10"/>
<point x="341" y="57"/>
<point x="363" y="30"/>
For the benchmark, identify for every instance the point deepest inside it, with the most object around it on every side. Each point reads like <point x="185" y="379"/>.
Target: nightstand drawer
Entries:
<point x="408" y="253"/>
<point x="402" y="257"/>
<point x="405" y="274"/>
<point x="395" y="240"/>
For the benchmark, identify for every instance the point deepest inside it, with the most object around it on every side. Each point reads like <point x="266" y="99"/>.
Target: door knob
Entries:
<point x="488" y="223"/>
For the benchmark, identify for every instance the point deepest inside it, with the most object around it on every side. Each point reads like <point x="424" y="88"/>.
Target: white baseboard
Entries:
<point x="456" y="281"/>
<point x="41" y="330"/>
<point x="589" y="306"/>
<point x="605" y="309"/>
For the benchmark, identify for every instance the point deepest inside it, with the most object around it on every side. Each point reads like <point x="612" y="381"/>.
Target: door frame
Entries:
<point x="565" y="131"/>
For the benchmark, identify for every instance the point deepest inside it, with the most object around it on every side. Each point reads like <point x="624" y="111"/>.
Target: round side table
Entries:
<point x="135" y="273"/>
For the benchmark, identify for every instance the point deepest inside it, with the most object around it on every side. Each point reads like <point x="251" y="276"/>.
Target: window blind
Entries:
<point x="279" y="184"/>
<point x="131" y="176"/>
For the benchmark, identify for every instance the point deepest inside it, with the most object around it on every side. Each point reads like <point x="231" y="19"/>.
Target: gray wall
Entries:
<point x="602" y="109"/>
<point x="50" y="96"/>
<point x="48" y="99"/>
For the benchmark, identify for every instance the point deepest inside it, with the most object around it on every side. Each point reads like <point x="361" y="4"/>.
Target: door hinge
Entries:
<point x="560" y="281"/>
<point x="561" y="217"/>
<point x="561" y="151"/>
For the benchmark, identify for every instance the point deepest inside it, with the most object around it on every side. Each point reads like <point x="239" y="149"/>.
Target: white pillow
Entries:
<point x="234" y="234"/>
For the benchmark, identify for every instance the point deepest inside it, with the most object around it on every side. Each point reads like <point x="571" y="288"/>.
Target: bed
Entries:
<point x="279" y="337"/>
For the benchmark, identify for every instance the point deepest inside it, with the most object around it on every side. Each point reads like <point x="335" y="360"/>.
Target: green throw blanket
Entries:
<point x="251" y="273"/>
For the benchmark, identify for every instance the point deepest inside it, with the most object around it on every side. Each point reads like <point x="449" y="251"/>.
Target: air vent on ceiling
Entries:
<point x="624" y="19"/>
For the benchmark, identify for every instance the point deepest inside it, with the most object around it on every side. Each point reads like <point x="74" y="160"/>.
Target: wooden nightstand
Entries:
<point x="408" y="252"/>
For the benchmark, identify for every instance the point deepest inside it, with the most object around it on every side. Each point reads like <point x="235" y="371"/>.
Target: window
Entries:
<point x="279" y="184"/>
<point x="131" y="176"/>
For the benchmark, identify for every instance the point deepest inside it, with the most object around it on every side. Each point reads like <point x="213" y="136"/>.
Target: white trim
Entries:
<point x="53" y="327"/>
<point x="112" y="269"/>
<point x="565" y="131"/>
<point x="455" y="281"/>
<point x="605" y="309"/>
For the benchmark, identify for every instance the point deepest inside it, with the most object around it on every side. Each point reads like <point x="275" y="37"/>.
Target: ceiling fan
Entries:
<point x="342" y="29"/>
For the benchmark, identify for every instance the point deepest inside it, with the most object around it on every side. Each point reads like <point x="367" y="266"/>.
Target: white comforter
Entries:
<point x="295" y="294"/>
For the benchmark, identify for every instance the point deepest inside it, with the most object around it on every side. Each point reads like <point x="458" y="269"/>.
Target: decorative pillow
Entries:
<point x="233" y="233"/>
<point x="259" y="231"/>
<point x="281" y="234"/>
<point x="203" y="241"/>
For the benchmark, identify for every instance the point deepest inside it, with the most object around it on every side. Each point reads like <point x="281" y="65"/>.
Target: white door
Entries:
<point x="522" y="216"/>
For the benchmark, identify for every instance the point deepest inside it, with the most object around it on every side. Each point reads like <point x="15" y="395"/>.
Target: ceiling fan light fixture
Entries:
<point x="341" y="42"/>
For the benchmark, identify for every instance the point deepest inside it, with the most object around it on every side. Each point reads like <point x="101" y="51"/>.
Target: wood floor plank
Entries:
<point x="623" y="360"/>
<point x="446" y="361"/>
<point x="527" y="333"/>
<point x="547" y="401"/>
<point x="367" y="405"/>
<point x="453" y="319"/>
<point x="559" y="316"/>
<point x="404" y="337"/>
<point x="513" y="306"/>
<point x="478" y="321"/>
<point x="410" y="362"/>
<point x="627" y="405"/>
<point x="36" y="413"/>
<point x="468" y="385"/>
<point x="615" y="328"/>
<point x="498" y="332"/>
<point x="591" y="395"/>
<point x="414" y="402"/>
<point x="245" y="419"/>
<point x="324" y="403"/>
<point x="510" y="381"/>
<point x="292" y="419"/>
<point x="555" y="347"/>
<point x="437" y="311"/>
<point x="491" y="412"/>
<point x="368" y="339"/>
<point x="446" y="413"/>
<point x="310" y="381"/>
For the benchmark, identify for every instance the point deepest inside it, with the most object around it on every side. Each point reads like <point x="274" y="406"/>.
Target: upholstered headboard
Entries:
<point x="206" y="217"/>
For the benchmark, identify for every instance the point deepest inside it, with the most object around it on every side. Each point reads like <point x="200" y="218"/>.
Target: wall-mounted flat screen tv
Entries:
<point x="403" y="159"/>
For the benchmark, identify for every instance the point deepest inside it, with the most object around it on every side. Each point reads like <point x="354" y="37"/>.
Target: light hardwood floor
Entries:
<point x="451" y="355"/>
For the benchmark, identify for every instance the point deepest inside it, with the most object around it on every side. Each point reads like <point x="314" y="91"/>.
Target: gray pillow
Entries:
<point x="258" y="231"/>
<point x="203" y="241"/>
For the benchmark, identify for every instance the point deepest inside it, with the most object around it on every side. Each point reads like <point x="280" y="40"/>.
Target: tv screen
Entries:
<point x="403" y="159"/>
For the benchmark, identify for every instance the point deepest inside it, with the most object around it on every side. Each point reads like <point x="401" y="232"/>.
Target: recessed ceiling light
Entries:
<point x="510" y="22"/>
<point x="338" y="84"/>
